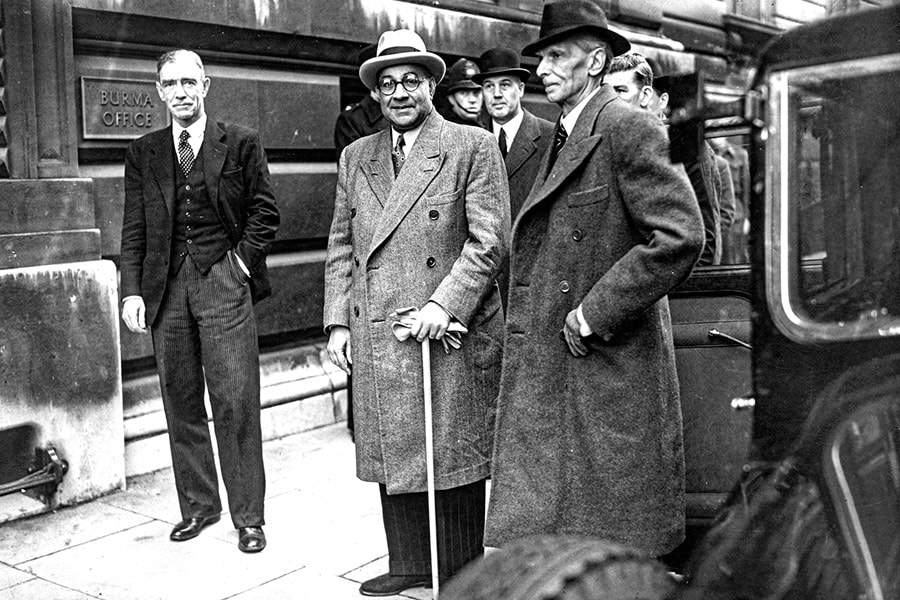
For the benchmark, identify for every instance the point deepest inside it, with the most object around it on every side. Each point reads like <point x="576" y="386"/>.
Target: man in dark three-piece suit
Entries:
<point x="522" y="137"/>
<point x="199" y="219"/>
<point x="421" y="219"/>
<point x="588" y="438"/>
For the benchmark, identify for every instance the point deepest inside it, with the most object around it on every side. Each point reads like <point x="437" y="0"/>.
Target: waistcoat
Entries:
<point x="196" y="227"/>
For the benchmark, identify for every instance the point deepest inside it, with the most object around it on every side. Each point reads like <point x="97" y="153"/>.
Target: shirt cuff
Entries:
<point x="583" y="328"/>
<point x="242" y="265"/>
<point x="127" y="298"/>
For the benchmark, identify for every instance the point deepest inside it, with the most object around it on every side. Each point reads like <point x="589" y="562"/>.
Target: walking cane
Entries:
<point x="429" y="463"/>
<point x="402" y="320"/>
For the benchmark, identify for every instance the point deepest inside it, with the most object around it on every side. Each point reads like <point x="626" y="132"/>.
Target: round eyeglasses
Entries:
<point x="410" y="83"/>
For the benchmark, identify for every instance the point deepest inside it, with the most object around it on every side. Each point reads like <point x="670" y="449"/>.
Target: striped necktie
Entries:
<point x="559" y="140"/>
<point x="185" y="154"/>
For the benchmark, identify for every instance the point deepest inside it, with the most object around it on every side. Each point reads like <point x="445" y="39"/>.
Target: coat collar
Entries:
<point x="579" y="145"/>
<point x="421" y="166"/>
<point x="213" y="151"/>
<point x="524" y="144"/>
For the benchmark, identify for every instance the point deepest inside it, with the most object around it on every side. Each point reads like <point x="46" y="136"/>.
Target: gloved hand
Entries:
<point x="402" y="321"/>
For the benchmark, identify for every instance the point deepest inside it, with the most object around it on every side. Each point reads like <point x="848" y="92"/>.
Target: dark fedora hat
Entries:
<point x="500" y="61"/>
<point x="566" y="17"/>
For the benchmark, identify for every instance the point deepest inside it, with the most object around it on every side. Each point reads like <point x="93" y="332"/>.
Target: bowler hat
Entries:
<point x="566" y="17"/>
<point x="400" y="47"/>
<point x="460" y="76"/>
<point x="500" y="61"/>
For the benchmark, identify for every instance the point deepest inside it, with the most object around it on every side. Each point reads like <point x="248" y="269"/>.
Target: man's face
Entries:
<point x="502" y="97"/>
<point x="406" y="109"/>
<point x="626" y="86"/>
<point x="466" y="104"/>
<point x="564" y="70"/>
<point x="182" y="86"/>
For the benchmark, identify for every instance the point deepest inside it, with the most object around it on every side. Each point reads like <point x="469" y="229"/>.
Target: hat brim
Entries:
<point x="618" y="43"/>
<point x="434" y="64"/>
<point x="522" y="74"/>
<point x="463" y="85"/>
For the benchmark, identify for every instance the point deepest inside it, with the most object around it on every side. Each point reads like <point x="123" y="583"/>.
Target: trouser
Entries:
<point x="460" y="529"/>
<point x="206" y="325"/>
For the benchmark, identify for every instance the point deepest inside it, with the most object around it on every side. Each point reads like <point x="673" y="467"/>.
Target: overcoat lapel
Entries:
<point x="161" y="163"/>
<point x="213" y="151"/>
<point x="524" y="144"/>
<point x="378" y="170"/>
<point x="421" y="166"/>
<point x="579" y="146"/>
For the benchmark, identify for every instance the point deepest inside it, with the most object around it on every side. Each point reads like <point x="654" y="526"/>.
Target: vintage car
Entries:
<point x="789" y="365"/>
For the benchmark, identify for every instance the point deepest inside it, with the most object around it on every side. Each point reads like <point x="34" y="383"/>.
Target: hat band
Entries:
<point x="398" y="50"/>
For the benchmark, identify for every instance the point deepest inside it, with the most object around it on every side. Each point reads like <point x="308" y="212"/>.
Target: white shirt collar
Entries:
<point x="570" y="119"/>
<point x="195" y="130"/>
<point x="511" y="128"/>
<point x="409" y="137"/>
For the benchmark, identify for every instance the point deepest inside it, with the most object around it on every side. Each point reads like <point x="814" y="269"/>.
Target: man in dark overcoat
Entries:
<point x="522" y="137"/>
<point x="199" y="219"/>
<point x="421" y="220"/>
<point x="588" y="437"/>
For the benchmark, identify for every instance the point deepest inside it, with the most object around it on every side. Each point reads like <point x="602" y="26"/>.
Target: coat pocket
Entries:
<point x="447" y="198"/>
<point x="590" y="196"/>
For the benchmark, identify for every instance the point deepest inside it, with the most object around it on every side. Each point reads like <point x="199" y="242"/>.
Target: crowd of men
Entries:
<point x="536" y="258"/>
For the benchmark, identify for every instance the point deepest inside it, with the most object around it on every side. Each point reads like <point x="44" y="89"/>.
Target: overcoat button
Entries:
<point x="564" y="286"/>
<point x="433" y="215"/>
<point x="430" y="262"/>
<point x="355" y="311"/>
<point x="577" y="235"/>
<point x="352" y="212"/>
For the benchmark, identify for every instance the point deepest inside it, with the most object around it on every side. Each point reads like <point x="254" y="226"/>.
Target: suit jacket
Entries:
<point x="237" y="182"/>
<point x="592" y="445"/>
<point x="524" y="158"/>
<point x="438" y="232"/>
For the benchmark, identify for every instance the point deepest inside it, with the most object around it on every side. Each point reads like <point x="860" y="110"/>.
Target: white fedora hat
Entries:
<point x="400" y="47"/>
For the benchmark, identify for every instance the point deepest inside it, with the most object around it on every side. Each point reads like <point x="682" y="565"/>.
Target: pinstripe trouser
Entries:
<point x="206" y="326"/>
<point x="460" y="523"/>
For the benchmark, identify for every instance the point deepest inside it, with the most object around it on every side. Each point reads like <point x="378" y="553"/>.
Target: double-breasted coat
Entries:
<point x="593" y="445"/>
<point x="438" y="232"/>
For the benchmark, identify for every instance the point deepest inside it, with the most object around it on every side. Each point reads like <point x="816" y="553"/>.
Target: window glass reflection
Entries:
<point x="866" y="475"/>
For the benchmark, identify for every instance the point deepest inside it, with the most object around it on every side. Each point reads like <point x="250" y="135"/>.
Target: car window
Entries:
<point x="833" y="189"/>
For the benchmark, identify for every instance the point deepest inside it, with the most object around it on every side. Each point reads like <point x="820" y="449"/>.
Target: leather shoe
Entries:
<point x="251" y="539"/>
<point x="191" y="528"/>
<point x="390" y="585"/>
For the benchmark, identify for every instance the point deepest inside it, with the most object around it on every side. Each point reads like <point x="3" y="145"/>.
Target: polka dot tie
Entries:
<point x="398" y="155"/>
<point x="185" y="154"/>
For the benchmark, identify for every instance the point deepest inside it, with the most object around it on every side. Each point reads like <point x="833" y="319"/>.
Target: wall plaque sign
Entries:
<point x="120" y="109"/>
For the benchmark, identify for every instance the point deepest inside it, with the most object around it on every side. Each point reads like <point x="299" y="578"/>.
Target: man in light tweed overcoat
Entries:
<point x="421" y="220"/>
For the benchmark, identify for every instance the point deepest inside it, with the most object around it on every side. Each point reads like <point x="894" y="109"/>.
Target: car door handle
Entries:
<point x="743" y="402"/>
<point x="715" y="333"/>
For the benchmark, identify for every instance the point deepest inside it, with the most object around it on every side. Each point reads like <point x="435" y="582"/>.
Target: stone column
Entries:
<point x="59" y="344"/>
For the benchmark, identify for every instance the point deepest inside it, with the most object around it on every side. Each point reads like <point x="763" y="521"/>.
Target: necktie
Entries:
<point x="397" y="155"/>
<point x="502" y="142"/>
<point x="559" y="140"/>
<point x="185" y="154"/>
